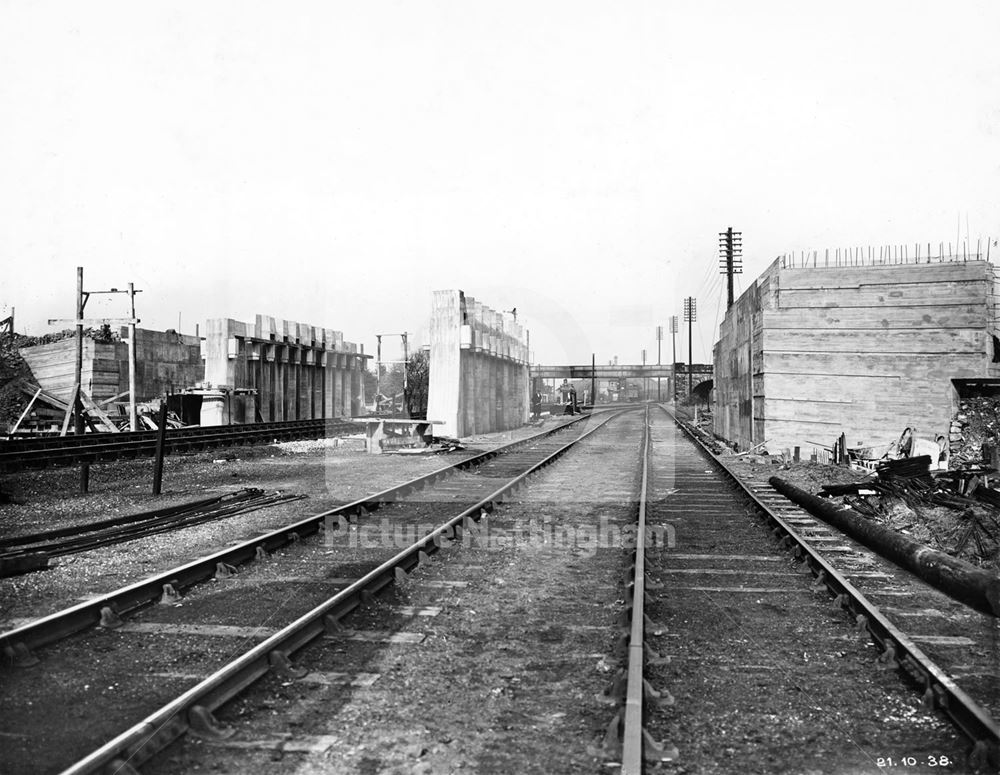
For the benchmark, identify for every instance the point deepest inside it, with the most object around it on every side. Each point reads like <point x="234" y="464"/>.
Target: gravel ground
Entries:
<point x="504" y="676"/>
<point x="771" y="680"/>
<point x="329" y="472"/>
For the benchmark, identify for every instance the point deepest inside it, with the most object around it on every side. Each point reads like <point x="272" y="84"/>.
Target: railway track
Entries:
<point x="29" y="552"/>
<point x="279" y="606"/>
<point x="723" y="646"/>
<point x="487" y="661"/>
<point x="21" y="454"/>
<point x="773" y="613"/>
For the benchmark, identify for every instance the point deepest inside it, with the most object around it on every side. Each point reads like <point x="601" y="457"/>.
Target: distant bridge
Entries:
<point x="620" y="371"/>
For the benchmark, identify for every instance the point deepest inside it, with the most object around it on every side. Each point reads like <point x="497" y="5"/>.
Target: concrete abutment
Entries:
<point x="478" y="367"/>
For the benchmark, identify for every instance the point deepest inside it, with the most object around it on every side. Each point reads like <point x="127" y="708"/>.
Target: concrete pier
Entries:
<point x="478" y="367"/>
<point x="289" y="370"/>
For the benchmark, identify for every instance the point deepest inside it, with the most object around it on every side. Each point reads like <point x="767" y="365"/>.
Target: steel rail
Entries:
<point x="74" y="530"/>
<point x="17" y="644"/>
<point x="632" y="734"/>
<point x="86" y="540"/>
<point x="172" y="720"/>
<point x="59" y="442"/>
<point x="143" y="443"/>
<point x="969" y="717"/>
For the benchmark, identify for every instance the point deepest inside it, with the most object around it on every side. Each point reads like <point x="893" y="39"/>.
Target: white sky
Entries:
<point x="334" y="162"/>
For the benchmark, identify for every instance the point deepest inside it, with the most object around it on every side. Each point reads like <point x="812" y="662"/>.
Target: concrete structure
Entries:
<point x="166" y="363"/>
<point x="274" y="370"/>
<point x="478" y="367"/>
<point x="808" y="353"/>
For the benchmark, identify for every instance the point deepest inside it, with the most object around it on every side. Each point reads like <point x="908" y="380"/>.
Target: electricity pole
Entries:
<point x="378" y="369"/>
<point x="673" y="363"/>
<point x="132" y="419"/>
<point x="76" y="399"/>
<point x="690" y="316"/>
<point x="730" y="259"/>
<point x="659" y="341"/>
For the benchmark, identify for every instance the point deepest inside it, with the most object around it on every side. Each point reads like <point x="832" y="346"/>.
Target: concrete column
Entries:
<point x="345" y="388"/>
<point x="317" y="375"/>
<point x="336" y="387"/>
<point x="356" y="408"/>
<point x="328" y="386"/>
<point x="467" y="416"/>
<point x="490" y="367"/>
<point x="306" y="389"/>
<point x="291" y="385"/>
<point x="446" y="356"/>
<point x="509" y="395"/>
<point x="278" y="387"/>
<point x="480" y="373"/>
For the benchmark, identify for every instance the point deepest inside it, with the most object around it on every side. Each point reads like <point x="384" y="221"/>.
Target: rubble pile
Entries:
<point x="956" y="512"/>
<point x="12" y="369"/>
<point x="976" y="423"/>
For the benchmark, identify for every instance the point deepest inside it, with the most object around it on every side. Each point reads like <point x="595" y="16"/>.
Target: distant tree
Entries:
<point x="417" y="384"/>
<point x="369" y="378"/>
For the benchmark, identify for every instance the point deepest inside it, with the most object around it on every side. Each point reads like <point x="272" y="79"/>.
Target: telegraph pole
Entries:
<point x="378" y="369"/>
<point x="132" y="419"/>
<point x="659" y="341"/>
<point x="406" y="357"/>
<point x="730" y="259"/>
<point x="673" y="363"/>
<point x="690" y="316"/>
<point x="76" y="407"/>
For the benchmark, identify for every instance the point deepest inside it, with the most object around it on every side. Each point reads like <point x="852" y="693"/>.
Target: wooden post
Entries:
<point x="81" y="302"/>
<point x="161" y="439"/>
<point x="131" y="362"/>
<point x="24" y="414"/>
<point x="78" y="373"/>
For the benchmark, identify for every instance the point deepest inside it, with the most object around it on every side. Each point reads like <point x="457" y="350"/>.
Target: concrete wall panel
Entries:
<point x="474" y="356"/>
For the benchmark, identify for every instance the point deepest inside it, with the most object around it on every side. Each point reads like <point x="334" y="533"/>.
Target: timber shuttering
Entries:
<point x="808" y="353"/>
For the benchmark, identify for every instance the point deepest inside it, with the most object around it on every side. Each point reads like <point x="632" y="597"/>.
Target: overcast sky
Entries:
<point x="335" y="162"/>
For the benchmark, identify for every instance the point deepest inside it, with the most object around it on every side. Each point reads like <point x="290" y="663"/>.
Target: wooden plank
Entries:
<point x="29" y="388"/>
<point x="847" y="276"/>
<point x="930" y="418"/>
<point x="117" y="397"/>
<point x="888" y="296"/>
<point x="936" y="316"/>
<point x="27" y="409"/>
<point x="942" y="341"/>
<point x="69" y="410"/>
<point x="105" y="420"/>
<point x="920" y="366"/>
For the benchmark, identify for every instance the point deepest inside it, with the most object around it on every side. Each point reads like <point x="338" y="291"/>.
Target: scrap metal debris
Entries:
<point x="954" y="511"/>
